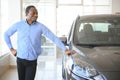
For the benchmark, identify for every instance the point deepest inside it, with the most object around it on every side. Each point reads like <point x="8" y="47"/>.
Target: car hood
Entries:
<point x="104" y="58"/>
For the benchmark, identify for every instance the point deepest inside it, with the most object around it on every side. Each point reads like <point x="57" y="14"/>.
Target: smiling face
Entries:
<point x="31" y="15"/>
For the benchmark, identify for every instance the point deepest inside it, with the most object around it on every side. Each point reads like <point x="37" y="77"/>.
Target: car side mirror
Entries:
<point x="63" y="39"/>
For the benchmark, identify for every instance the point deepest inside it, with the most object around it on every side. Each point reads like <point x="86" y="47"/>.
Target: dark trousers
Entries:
<point x="26" y="69"/>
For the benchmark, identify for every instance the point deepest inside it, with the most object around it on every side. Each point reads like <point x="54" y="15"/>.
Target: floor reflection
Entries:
<point x="46" y="70"/>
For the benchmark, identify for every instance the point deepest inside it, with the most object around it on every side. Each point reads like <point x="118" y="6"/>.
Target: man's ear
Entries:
<point x="26" y="13"/>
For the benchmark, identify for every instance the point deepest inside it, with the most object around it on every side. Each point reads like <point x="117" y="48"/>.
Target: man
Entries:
<point x="29" y="33"/>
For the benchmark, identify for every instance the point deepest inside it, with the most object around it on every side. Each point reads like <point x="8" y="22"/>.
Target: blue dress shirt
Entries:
<point x="29" y="39"/>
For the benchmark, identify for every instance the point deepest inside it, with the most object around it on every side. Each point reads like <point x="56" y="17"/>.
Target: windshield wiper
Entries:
<point x="87" y="45"/>
<point x="96" y="45"/>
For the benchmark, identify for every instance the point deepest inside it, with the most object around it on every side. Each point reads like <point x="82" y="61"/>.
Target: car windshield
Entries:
<point x="97" y="31"/>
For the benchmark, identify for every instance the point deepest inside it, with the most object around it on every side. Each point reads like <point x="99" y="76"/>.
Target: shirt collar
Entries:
<point x="32" y="23"/>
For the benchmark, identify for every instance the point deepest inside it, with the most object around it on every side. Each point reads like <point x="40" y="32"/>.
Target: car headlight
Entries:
<point x="83" y="70"/>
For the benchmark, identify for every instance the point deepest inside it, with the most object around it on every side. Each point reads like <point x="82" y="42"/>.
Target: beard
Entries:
<point x="34" y="19"/>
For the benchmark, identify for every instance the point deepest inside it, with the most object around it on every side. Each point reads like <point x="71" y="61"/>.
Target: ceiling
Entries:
<point x="31" y="1"/>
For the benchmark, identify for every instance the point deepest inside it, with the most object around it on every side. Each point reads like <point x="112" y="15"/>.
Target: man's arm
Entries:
<point x="7" y="39"/>
<point x="56" y="40"/>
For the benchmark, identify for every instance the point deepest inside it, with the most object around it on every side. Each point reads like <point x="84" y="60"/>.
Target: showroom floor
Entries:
<point x="47" y="70"/>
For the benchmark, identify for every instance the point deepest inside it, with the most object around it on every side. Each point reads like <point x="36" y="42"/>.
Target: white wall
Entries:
<point x="0" y="27"/>
<point x="14" y="15"/>
<point x="11" y="13"/>
<point x="4" y="21"/>
<point x="14" y="11"/>
<point x="14" y="7"/>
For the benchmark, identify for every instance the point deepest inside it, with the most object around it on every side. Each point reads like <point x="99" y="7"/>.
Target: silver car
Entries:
<point x="96" y="42"/>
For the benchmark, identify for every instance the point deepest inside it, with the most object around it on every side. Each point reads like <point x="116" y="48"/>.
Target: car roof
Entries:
<point x="100" y="16"/>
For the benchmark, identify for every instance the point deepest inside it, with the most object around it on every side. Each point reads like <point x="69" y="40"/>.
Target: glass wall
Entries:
<point x="68" y="10"/>
<point x="9" y="13"/>
<point x="3" y="24"/>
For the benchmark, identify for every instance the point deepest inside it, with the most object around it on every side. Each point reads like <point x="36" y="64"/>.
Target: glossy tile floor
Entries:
<point x="47" y="70"/>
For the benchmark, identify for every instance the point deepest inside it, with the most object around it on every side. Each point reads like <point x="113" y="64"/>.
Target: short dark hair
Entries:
<point x="28" y="8"/>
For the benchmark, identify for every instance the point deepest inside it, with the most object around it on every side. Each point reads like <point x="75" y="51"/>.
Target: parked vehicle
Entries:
<point x="96" y="42"/>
